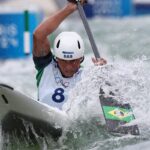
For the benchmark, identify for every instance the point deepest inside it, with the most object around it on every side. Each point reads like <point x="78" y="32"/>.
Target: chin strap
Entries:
<point x="82" y="59"/>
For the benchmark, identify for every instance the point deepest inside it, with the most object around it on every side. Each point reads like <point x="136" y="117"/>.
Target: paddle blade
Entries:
<point x="117" y="115"/>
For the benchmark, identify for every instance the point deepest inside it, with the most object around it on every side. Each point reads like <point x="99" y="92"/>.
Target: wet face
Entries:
<point x="68" y="67"/>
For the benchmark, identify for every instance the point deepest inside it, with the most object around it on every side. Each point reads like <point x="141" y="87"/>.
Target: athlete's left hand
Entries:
<point x="99" y="61"/>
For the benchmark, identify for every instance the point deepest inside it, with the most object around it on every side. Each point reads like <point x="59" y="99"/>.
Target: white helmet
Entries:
<point x="68" y="46"/>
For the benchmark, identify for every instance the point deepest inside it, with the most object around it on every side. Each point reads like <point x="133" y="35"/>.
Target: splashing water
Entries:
<point x="85" y="129"/>
<point x="129" y="81"/>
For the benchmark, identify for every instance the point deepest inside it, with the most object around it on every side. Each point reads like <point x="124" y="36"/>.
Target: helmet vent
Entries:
<point x="79" y="46"/>
<point x="58" y="43"/>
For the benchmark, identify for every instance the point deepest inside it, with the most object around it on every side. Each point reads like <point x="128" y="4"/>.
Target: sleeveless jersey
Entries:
<point x="53" y="88"/>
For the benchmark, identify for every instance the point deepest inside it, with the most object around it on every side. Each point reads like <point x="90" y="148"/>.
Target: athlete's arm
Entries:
<point x="41" y="45"/>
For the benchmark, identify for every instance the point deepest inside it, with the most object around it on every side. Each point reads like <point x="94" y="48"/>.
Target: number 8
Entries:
<point x="58" y="96"/>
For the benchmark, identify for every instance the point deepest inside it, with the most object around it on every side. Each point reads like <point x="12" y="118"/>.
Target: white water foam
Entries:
<point x="122" y="37"/>
<point x="129" y="81"/>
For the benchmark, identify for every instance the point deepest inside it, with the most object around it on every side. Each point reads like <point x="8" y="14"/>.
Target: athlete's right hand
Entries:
<point x="75" y="1"/>
<point x="73" y="6"/>
<point x="84" y="1"/>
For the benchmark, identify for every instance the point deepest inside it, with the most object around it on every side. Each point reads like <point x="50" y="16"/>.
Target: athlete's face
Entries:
<point x="69" y="67"/>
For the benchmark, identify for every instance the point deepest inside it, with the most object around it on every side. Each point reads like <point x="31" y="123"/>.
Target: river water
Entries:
<point x="125" y="43"/>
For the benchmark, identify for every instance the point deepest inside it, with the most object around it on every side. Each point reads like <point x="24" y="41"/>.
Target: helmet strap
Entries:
<point x="55" y="58"/>
<point x="82" y="59"/>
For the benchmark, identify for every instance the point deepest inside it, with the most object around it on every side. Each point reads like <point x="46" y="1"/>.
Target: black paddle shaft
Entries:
<point x="88" y="30"/>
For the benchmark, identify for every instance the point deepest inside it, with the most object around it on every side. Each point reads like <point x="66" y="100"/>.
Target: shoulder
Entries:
<point x="43" y="61"/>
